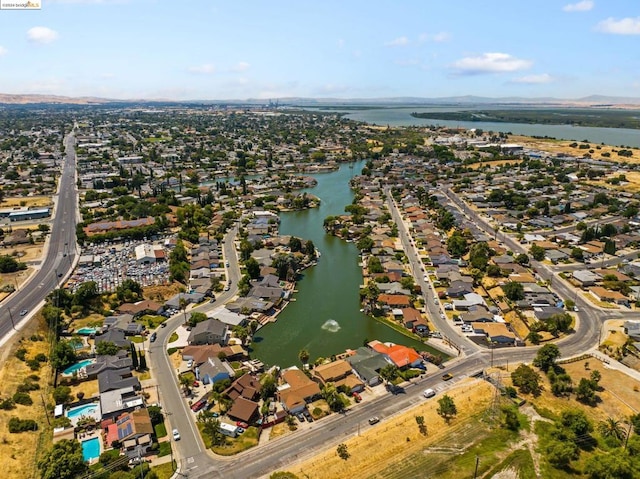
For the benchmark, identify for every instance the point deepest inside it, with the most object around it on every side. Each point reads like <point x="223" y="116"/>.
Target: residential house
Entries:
<point x="133" y="430"/>
<point x="394" y="300"/>
<point x="140" y="308"/>
<point x="210" y="331"/>
<point x="111" y="380"/>
<point x="605" y="295"/>
<point x="585" y="278"/>
<point x="247" y="386"/>
<point x="367" y="364"/>
<point x="411" y="318"/>
<point x="338" y="372"/>
<point x="402" y="356"/>
<point x="115" y="336"/>
<point x="243" y="410"/>
<point x="632" y="329"/>
<point x="108" y="363"/>
<point x="214" y="370"/>
<point x="297" y="390"/>
<point x="497" y="333"/>
<point x="201" y="352"/>
<point x="114" y="403"/>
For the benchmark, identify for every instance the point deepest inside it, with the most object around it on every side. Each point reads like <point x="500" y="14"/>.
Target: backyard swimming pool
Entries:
<point x="86" y="331"/>
<point x="75" y="367"/>
<point x="91" y="449"/>
<point x="90" y="409"/>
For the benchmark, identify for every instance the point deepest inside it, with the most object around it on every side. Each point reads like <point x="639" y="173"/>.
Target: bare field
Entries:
<point x="399" y="435"/>
<point x="26" y="201"/>
<point x="562" y="147"/>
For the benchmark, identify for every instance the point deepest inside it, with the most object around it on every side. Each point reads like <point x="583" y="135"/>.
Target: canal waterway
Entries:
<point x="325" y="318"/>
<point x="402" y="117"/>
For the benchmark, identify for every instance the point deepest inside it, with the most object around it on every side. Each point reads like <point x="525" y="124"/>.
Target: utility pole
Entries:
<point x="11" y="318"/>
<point x="475" y="473"/>
<point x="44" y="406"/>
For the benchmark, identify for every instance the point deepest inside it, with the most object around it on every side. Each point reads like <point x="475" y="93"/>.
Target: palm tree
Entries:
<point x="612" y="428"/>
<point x="303" y="355"/>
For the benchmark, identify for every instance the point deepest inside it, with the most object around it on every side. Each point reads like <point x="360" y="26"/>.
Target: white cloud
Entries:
<point x="534" y="79"/>
<point x="3" y="51"/>
<point x="398" y="42"/>
<point x="582" y="6"/>
<point x="624" y="26"/>
<point x="42" y="35"/>
<point x="205" y="69"/>
<point x="490" y="63"/>
<point x="240" y="67"/>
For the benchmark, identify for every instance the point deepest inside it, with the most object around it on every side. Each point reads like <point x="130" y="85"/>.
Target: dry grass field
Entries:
<point x="19" y="451"/>
<point x="562" y="147"/>
<point x="399" y="435"/>
<point x="29" y="202"/>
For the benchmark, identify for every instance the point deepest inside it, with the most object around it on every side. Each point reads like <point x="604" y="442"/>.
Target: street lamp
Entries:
<point x="11" y="318"/>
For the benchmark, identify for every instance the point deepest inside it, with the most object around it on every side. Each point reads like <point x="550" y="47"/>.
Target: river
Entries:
<point x="325" y="318"/>
<point x="402" y="117"/>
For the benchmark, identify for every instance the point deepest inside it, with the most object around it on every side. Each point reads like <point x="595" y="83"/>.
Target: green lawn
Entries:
<point x="173" y="337"/>
<point x="137" y="339"/>
<point x="152" y="321"/>
<point x="243" y="442"/>
<point x="164" y="449"/>
<point x="160" y="429"/>
<point x="164" y="471"/>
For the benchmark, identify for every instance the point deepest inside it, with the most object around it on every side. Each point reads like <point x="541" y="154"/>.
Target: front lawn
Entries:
<point x="244" y="441"/>
<point x="164" y="471"/>
<point x="152" y="321"/>
<point x="160" y="429"/>
<point x="164" y="448"/>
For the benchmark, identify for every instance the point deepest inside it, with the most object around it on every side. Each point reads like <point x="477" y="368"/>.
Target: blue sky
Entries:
<point x="322" y="48"/>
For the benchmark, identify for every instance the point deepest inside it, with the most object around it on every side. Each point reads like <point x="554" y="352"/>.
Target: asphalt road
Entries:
<point x="59" y="256"/>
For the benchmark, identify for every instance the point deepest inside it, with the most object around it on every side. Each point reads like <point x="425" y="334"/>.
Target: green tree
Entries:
<point x="62" y="394"/>
<point x="509" y="418"/>
<point x="546" y="357"/>
<point x="612" y="429"/>
<point x="333" y="397"/>
<point x="561" y="453"/>
<point x="365" y="243"/>
<point x="447" y="408"/>
<point x="63" y="355"/>
<point x="197" y="317"/>
<point x="422" y="427"/>
<point x="134" y="357"/>
<point x="303" y="355"/>
<point x="611" y="465"/>
<point x="283" y="475"/>
<point x="389" y="372"/>
<point x="457" y="245"/>
<point x="107" y="348"/>
<point x="211" y="428"/>
<point x="253" y="268"/>
<point x="343" y="452"/>
<point x="63" y="461"/>
<point x="586" y="393"/>
<point x="526" y="380"/>
<point x="479" y="255"/>
<point x="537" y="252"/>
<point x="522" y="259"/>
<point x="513" y="291"/>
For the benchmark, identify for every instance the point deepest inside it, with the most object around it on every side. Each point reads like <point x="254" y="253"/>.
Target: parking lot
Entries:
<point x="109" y="264"/>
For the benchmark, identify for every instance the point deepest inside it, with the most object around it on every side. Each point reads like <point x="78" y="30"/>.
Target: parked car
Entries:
<point x="300" y="417"/>
<point x="176" y="435"/>
<point x="374" y="420"/>
<point x="429" y="393"/>
<point x="190" y="363"/>
<point x="242" y="424"/>
<point x="307" y="416"/>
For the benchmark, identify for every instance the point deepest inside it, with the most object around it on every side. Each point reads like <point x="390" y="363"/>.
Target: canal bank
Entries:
<point x="325" y="318"/>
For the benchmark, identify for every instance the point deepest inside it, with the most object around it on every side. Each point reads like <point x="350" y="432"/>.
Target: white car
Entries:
<point x="429" y="393"/>
<point x="176" y="435"/>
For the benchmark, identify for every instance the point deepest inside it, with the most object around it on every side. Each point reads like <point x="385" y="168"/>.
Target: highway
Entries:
<point x="59" y="255"/>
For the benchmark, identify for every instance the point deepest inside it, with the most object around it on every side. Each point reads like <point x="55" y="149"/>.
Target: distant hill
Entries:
<point x="593" y="100"/>
<point x="8" y="98"/>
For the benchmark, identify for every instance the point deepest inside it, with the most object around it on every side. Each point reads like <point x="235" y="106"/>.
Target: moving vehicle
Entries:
<point x="153" y="337"/>
<point x="447" y="376"/>
<point x="23" y="312"/>
<point x="429" y="393"/>
<point x="176" y="435"/>
<point x="374" y="420"/>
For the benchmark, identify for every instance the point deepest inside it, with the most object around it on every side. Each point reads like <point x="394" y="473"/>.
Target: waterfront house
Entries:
<point x="367" y="364"/>
<point x="402" y="356"/>
<point x="338" y="372"/>
<point x="247" y="386"/>
<point x="297" y="390"/>
<point x="210" y="331"/>
<point x="394" y="300"/>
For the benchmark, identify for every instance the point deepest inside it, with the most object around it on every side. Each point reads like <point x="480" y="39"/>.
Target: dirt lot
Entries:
<point x="29" y="202"/>
<point x="161" y="293"/>
<point x="400" y="435"/>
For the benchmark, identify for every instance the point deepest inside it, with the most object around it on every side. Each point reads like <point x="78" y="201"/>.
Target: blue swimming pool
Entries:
<point x="75" y="367"/>
<point x="90" y="409"/>
<point x="86" y="331"/>
<point x="91" y="449"/>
